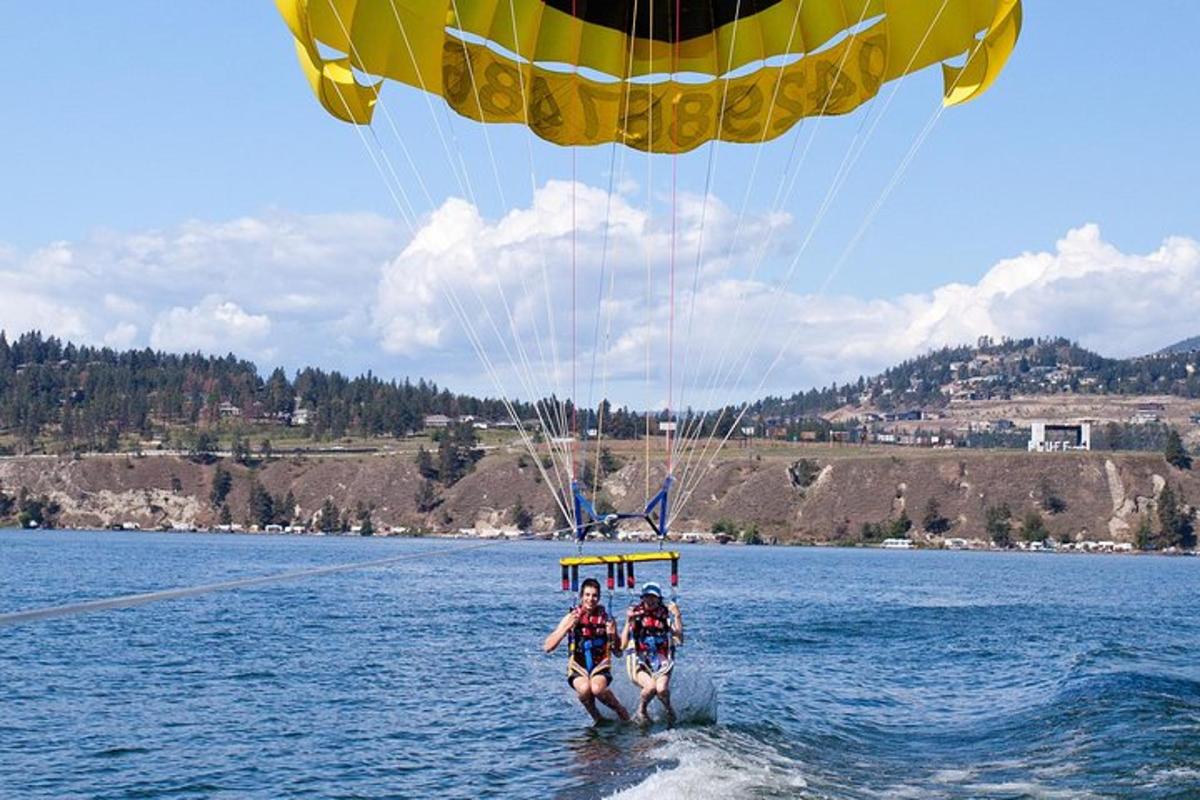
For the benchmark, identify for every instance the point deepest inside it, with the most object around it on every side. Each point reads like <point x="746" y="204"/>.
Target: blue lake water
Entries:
<point x="840" y="673"/>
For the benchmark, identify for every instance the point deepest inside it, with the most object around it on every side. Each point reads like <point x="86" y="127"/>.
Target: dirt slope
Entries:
<point x="1104" y="493"/>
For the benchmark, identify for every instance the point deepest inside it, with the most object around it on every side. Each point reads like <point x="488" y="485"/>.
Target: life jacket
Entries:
<point x="652" y="633"/>
<point x="589" y="638"/>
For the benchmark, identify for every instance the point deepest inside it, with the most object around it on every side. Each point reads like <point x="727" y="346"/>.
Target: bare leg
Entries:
<point x="663" y="685"/>
<point x="602" y="692"/>
<point x="583" y="690"/>
<point x="646" y="681"/>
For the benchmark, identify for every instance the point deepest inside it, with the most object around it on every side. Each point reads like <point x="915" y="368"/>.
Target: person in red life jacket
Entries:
<point x="654" y="629"/>
<point x="592" y="635"/>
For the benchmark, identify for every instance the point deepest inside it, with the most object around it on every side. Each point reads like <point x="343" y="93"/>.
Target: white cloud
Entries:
<point x="354" y="292"/>
<point x="121" y="336"/>
<point x="513" y="280"/>
<point x="1086" y="289"/>
<point x="214" y="326"/>
<point x="736" y="327"/>
<point x="149" y="288"/>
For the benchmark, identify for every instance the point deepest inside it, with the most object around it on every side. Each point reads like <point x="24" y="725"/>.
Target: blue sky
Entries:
<point x="169" y="180"/>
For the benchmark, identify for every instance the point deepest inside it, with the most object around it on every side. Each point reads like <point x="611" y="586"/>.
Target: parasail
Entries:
<point x="579" y="73"/>
<point x="663" y="77"/>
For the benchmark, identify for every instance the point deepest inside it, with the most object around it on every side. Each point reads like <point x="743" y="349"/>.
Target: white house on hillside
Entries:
<point x="1051" y="437"/>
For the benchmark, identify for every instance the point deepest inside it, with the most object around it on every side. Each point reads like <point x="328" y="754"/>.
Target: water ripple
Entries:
<point x="841" y="675"/>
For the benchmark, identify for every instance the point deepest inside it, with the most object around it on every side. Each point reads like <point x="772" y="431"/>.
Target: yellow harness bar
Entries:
<point x="620" y="568"/>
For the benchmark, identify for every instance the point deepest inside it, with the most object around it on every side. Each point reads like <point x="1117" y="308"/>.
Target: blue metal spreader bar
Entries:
<point x="655" y="513"/>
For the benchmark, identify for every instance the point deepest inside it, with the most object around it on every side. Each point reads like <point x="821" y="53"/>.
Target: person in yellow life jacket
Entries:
<point x="654" y="628"/>
<point x="592" y="635"/>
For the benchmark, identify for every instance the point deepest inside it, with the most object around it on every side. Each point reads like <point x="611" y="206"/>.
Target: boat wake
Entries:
<point x="702" y="763"/>
<point x="693" y="695"/>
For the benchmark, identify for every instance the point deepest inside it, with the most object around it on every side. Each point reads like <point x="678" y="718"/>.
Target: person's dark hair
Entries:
<point x="589" y="582"/>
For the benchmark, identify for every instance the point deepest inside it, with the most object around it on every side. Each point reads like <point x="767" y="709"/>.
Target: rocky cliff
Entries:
<point x="817" y="494"/>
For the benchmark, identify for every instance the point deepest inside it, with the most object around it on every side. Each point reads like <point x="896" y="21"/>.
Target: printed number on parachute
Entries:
<point x="609" y="74"/>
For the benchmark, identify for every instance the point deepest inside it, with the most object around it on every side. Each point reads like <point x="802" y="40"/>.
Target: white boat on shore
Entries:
<point x="897" y="544"/>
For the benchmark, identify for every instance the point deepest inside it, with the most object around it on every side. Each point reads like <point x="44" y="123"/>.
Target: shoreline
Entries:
<point x="1097" y="550"/>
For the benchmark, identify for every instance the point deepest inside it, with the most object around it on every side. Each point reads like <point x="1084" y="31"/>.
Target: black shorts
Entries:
<point x="604" y="673"/>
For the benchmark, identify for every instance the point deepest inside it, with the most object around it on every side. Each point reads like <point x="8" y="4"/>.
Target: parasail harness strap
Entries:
<point x="654" y="514"/>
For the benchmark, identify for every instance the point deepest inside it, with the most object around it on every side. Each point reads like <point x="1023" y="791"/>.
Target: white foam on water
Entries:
<point x="1027" y="789"/>
<point x="1169" y="776"/>
<point x="717" y="767"/>
<point x="694" y="696"/>
<point x="953" y="775"/>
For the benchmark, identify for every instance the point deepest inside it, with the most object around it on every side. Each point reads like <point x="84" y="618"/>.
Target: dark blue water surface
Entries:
<point x="841" y="674"/>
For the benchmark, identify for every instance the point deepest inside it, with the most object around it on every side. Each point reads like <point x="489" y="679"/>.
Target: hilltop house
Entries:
<point x="1051" y="437"/>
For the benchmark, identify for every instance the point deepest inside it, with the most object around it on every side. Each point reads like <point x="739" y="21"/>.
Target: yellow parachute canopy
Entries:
<point x="636" y="72"/>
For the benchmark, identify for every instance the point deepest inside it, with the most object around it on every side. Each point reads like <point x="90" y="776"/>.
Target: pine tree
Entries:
<point x="1033" y="527"/>
<point x="425" y="465"/>
<point x="521" y="516"/>
<point x="285" y="511"/>
<point x="997" y="521"/>
<point x="6" y="502"/>
<point x="222" y="482"/>
<point x="241" y="449"/>
<point x="427" y="499"/>
<point x="261" y="506"/>
<point x="932" y="521"/>
<point x="1175" y="453"/>
<point x="1050" y="499"/>
<point x="329" y="516"/>
<point x="1145" y="533"/>
<point x="1174" y="520"/>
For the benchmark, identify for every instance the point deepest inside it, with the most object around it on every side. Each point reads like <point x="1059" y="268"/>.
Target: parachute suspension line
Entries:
<point x="451" y="295"/>
<point x="713" y="380"/>
<point x="392" y="186"/>
<point x="901" y="169"/>
<point x="456" y="301"/>
<point x="574" y="306"/>
<point x="528" y="382"/>
<point x="551" y="432"/>
<point x="556" y="434"/>
<point x="407" y="155"/>
<point x="683" y="438"/>
<point x="897" y="175"/>
<point x="726" y="379"/>
<point x="463" y="179"/>
<point x="604" y="307"/>
<point x="134" y="600"/>
<point x="848" y="163"/>
<point x="487" y="137"/>
<point x="574" y="312"/>
<point x="697" y="428"/>
<point x="591" y="404"/>
<point x="670" y="424"/>
<point x="648" y="388"/>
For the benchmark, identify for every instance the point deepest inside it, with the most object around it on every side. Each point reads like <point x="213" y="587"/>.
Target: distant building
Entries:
<point x="228" y="409"/>
<point x="1050" y="437"/>
<point x="1147" y="413"/>
<point x="437" y="421"/>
